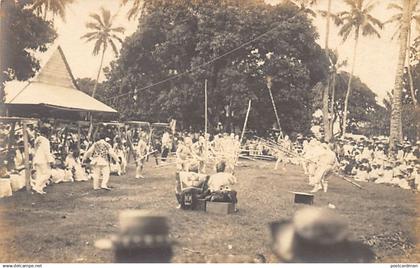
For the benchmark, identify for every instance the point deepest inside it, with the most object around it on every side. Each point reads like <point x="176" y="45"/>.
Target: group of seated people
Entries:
<point x="54" y="157"/>
<point x="369" y="161"/>
<point x="192" y="186"/>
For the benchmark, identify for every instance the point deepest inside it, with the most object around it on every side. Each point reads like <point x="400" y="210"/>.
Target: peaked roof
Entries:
<point x="55" y="87"/>
<point x="57" y="71"/>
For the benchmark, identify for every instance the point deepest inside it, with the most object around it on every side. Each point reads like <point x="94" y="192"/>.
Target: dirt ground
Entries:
<point x="63" y="225"/>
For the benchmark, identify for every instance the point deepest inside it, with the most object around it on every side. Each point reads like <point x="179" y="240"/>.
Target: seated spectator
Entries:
<point x="73" y="165"/>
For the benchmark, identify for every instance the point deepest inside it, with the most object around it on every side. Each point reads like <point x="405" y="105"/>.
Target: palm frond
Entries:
<point x="88" y="35"/>
<point x="114" y="47"/>
<point x="99" y="43"/>
<point x="106" y="16"/>
<point x="91" y="38"/>
<point x="351" y="3"/>
<point x="375" y="21"/>
<point x="118" y="29"/>
<point x="346" y="30"/>
<point x="395" y="6"/>
<point x="394" y="19"/>
<point x="119" y="39"/>
<point x="97" y="18"/>
<point x="335" y="17"/>
<point x="370" y="6"/>
<point x="135" y="9"/>
<point x="93" y="26"/>
<point x="368" y="30"/>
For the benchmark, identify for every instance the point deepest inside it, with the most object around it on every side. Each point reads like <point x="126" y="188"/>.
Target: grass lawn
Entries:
<point x="63" y="225"/>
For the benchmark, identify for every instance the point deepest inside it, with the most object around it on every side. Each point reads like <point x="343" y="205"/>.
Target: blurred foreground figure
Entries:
<point x="143" y="238"/>
<point x="317" y="235"/>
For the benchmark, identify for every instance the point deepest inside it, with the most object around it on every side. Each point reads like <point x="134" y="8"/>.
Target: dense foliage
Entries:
<point x="24" y="33"/>
<point x="175" y="37"/>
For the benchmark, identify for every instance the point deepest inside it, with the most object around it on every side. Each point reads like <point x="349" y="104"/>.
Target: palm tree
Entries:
<point x="56" y="7"/>
<point x="304" y="6"/>
<point x="397" y="20"/>
<point x="358" y="21"/>
<point x="336" y="66"/>
<point x="104" y="34"/>
<point x="396" y="115"/>
<point x="327" y="89"/>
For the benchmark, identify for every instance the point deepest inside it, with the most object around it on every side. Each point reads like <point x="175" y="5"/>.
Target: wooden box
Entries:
<point x="200" y="205"/>
<point x="220" y="207"/>
<point x="303" y="198"/>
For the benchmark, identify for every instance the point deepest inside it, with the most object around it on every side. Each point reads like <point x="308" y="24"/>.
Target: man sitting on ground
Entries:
<point x="221" y="183"/>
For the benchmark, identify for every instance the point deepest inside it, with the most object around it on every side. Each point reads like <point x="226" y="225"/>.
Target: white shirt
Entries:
<point x="42" y="153"/>
<point x="220" y="181"/>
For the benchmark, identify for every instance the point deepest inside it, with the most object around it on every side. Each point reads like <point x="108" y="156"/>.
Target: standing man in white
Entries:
<point x="325" y="165"/>
<point x="141" y="153"/>
<point x="42" y="160"/>
<point x="100" y="152"/>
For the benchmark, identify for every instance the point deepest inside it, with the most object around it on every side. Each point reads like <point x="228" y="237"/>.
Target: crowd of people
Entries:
<point x="62" y="156"/>
<point x="359" y="158"/>
<point x="57" y="156"/>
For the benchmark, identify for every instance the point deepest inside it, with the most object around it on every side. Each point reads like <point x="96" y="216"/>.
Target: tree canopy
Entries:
<point x="364" y="111"/>
<point x="25" y="33"/>
<point x="178" y="37"/>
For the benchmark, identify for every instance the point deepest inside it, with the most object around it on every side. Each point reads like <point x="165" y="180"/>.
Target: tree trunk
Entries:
<point x="346" y="101"/>
<point x="396" y="116"/>
<point x="333" y="82"/>
<point x="410" y="74"/>
<point x="326" y="93"/>
<point x="99" y="72"/>
<point x="325" y="111"/>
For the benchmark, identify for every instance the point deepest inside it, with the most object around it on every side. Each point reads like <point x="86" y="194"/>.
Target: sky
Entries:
<point x="376" y="61"/>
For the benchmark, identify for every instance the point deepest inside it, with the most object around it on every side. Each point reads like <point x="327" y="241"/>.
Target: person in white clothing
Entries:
<point x="73" y="164"/>
<point x="42" y="161"/>
<point x="326" y="162"/>
<point x="141" y="153"/>
<point x="100" y="152"/>
<point x="221" y="179"/>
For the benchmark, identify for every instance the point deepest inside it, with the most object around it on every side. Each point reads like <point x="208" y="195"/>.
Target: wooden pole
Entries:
<point x="246" y="121"/>
<point x="26" y="153"/>
<point x="78" y="136"/>
<point x="205" y="118"/>
<point x="205" y="107"/>
<point x="274" y="107"/>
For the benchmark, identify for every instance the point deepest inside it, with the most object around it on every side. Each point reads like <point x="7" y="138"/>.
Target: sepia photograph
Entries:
<point x="209" y="132"/>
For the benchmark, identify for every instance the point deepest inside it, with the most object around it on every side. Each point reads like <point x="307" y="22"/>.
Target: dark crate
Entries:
<point x="200" y="205"/>
<point x="220" y="207"/>
<point x="303" y="198"/>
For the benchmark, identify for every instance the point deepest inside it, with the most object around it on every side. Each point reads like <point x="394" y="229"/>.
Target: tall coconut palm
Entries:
<point x="55" y="7"/>
<point x="336" y="66"/>
<point x="396" y="124"/>
<point x="327" y="89"/>
<point x="104" y="34"/>
<point x="397" y="20"/>
<point x="358" y="20"/>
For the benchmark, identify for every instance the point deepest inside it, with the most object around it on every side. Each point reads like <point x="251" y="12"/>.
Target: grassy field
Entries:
<point x="63" y="225"/>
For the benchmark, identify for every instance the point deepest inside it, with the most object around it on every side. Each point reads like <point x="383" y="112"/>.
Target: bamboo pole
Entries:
<point x="78" y="136"/>
<point x="245" y="123"/>
<point x="205" y="119"/>
<point x="205" y="107"/>
<point x="26" y="153"/>
<point x="274" y="106"/>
